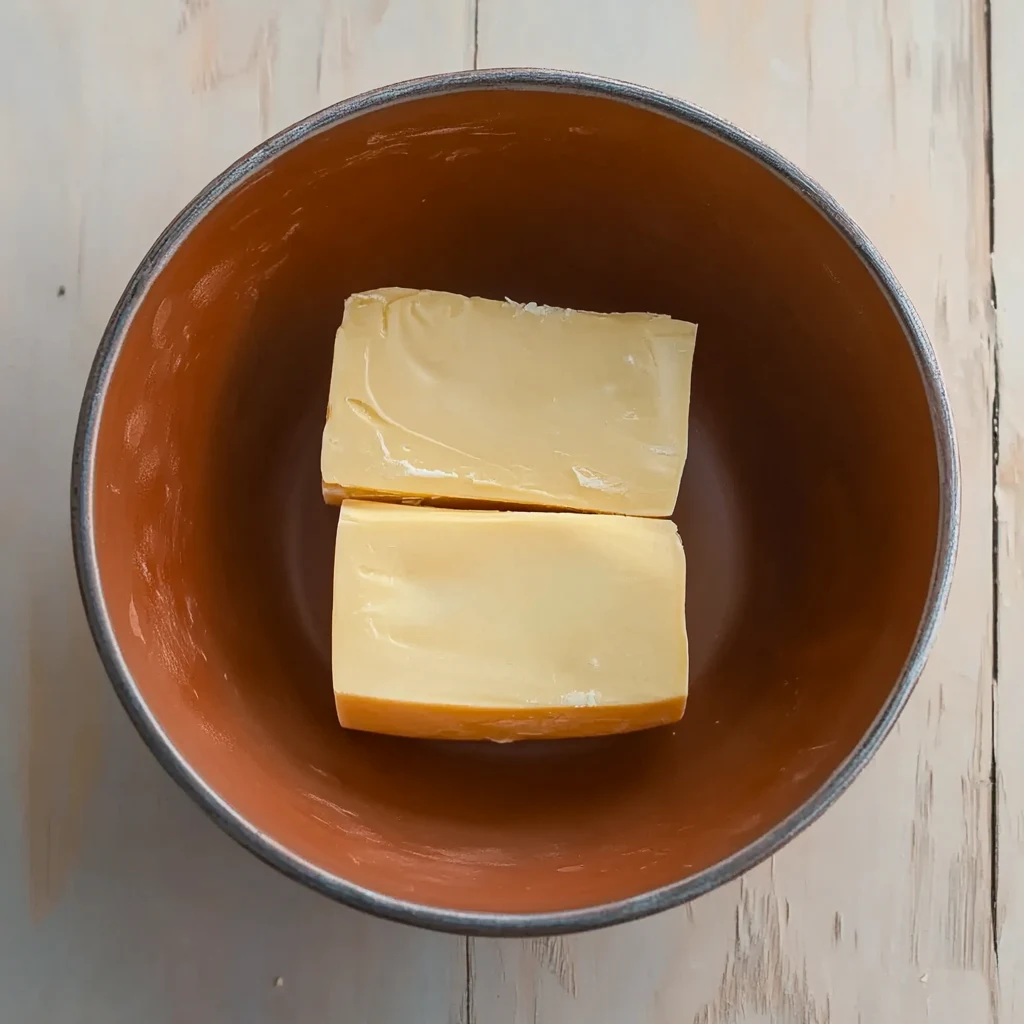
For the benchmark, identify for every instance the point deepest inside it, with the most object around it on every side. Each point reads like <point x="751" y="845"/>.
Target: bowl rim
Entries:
<point x="490" y="922"/>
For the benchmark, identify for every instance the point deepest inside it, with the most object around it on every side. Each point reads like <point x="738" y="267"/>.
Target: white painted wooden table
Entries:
<point x="121" y="904"/>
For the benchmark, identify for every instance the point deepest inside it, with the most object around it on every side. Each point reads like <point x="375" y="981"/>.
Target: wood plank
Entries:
<point x="1008" y="279"/>
<point x="882" y="911"/>
<point x="119" y="901"/>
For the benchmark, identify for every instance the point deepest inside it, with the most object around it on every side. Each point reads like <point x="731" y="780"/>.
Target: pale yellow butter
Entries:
<point x="469" y="624"/>
<point x="439" y="396"/>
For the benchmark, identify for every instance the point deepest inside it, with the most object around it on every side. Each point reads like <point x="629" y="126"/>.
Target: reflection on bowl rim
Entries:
<point x="488" y="922"/>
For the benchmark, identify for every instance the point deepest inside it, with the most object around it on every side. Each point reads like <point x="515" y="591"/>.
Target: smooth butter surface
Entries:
<point x="506" y="625"/>
<point x="438" y="395"/>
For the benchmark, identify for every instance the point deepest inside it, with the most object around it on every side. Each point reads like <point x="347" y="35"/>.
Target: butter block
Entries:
<point x="480" y="402"/>
<point x="469" y="624"/>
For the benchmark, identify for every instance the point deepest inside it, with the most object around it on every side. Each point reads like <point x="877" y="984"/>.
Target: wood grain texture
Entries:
<point x="881" y="911"/>
<point x="1008" y="286"/>
<point x="119" y="901"/>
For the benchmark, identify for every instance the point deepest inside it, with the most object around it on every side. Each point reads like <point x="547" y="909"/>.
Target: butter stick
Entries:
<point x="480" y="402"/>
<point x="469" y="624"/>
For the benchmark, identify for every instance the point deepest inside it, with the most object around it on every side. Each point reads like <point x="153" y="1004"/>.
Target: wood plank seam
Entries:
<point x="476" y="34"/>
<point x="994" y="355"/>
<point x="469" y="1009"/>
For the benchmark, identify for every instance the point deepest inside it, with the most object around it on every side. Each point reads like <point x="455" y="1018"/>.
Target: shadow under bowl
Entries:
<point x="818" y="507"/>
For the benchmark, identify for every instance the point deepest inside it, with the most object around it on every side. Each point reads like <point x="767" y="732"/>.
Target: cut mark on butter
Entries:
<point x="419" y="471"/>
<point x="373" y="417"/>
<point x="375" y="575"/>
<point x="535" y="308"/>
<point x="408" y="466"/>
<point x="661" y="449"/>
<point x="588" y="478"/>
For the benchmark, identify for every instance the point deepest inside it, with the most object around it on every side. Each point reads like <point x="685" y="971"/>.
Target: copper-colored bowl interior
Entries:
<point x="810" y="506"/>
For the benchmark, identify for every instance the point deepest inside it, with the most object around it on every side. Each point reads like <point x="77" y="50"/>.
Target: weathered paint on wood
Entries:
<point x="119" y="902"/>
<point x="1008" y="292"/>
